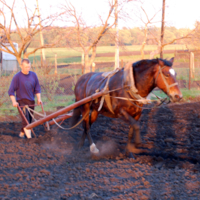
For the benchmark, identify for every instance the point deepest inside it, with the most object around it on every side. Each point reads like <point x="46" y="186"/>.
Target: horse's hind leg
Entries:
<point x="93" y="117"/>
<point x="87" y="122"/>
<point x="84" y="134"/>
<point x="85" y="113"/>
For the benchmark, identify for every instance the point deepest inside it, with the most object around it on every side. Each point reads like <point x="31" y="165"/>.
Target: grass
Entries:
<point x="61" y="100"/>
<point x="183" y="74"/>
<point x="68" y="55"/>
<point x="68" y="71"/>
<point x="65" y="100"/>
<point x="49" y="106"/>
<point x="185" y="92"/>
<point x="194" y="92"/>
<point x="158" y="93"/>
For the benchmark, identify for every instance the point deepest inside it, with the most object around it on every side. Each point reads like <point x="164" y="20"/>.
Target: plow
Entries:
<point x="59" y="115"/>
<point x="66" y="112"/>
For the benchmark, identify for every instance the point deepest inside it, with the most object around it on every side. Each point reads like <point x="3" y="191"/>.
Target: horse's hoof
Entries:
<point x="133" y="149"/>
<point x="137" y="145"/>
<point x="93" y="149"/>
<point x="131" y="155"/>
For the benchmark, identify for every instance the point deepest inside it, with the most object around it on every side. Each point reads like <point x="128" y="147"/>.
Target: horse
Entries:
<point x="124" y="101"/>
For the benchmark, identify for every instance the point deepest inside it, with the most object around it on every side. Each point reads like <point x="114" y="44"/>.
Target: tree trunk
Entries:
<point x="87" y="63"/>
<point x="153" y="53"/>
<point x="25" y="56"/>
<point x="162" y="29"/>
<point x="116" y="36"/>
<point x="19" y="60"/>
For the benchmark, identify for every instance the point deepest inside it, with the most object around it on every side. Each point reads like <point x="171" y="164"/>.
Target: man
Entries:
<point x="26" y="85"/>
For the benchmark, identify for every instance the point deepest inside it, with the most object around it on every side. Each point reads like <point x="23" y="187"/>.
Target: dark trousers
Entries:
<point x="24" y="102"/>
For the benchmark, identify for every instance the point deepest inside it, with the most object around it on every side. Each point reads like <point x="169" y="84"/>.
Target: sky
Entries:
<point x="183" y="13"/>
<point x="178" y="13"/>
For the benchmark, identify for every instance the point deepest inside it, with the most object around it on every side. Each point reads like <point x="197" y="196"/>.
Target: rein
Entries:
<point x="142" y="100"/>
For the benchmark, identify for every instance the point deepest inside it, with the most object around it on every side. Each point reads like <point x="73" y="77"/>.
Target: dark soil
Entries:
<point x="52" y="167"/>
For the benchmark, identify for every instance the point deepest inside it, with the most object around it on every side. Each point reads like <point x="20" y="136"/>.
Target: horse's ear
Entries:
<point x="171" y="60"/>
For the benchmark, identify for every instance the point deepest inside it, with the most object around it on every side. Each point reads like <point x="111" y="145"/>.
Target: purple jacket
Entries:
<point x="25" y="86"/>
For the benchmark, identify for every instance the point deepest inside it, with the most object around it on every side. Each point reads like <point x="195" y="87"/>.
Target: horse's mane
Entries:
<point x="148" y="62"/>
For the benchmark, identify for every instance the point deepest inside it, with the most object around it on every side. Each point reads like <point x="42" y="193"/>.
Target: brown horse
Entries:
<point x="123" y="101"/>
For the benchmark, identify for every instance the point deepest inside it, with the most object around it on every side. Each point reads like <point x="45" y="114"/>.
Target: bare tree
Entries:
<point x="158" y="38"/>
<point x="25" y="33"/>
<point x="160" y="42"/>
<point x="85" y="36"/>
<point x="161" y="46"/>
<point x="146" y="22"/>
<point x="146" y="19"/>
<point x="195" y="39"/>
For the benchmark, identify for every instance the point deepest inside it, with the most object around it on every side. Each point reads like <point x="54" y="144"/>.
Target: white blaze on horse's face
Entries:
<point x="172" y="72"/>
<point x="173" y="90"/>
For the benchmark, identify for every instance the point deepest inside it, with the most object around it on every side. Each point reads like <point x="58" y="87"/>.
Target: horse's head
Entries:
<point x="165" y="79"/>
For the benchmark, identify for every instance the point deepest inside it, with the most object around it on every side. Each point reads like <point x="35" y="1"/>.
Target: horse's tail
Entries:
<point x="75" y="117"/>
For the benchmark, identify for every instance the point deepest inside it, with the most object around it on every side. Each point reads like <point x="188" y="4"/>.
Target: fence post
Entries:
<point x="93" y="67"/>
<point x="191" y="69"/>
<point x="82" y="62"/>
<point x="56" y="64"/>
<point x="122" y="63"/>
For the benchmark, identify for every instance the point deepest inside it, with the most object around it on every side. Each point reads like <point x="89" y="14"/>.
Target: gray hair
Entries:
<point x="25" y="60"/>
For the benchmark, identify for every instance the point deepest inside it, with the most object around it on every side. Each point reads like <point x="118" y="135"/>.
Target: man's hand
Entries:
<point x="15" y="104"/>
<point x="39" y="102"/>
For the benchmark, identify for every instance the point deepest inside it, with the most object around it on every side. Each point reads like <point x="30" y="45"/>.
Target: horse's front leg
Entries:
<point x="134" y="131"/>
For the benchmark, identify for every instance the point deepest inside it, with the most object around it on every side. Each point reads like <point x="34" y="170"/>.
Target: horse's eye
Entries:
<point x="167" y="75"/>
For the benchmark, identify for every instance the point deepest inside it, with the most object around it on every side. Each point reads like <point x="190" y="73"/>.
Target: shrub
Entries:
<point x="4" y="86"/>
<point x="49" y="82"/>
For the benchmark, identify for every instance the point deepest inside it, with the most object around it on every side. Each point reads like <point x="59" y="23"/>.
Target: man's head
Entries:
<point x="25" y="66"/>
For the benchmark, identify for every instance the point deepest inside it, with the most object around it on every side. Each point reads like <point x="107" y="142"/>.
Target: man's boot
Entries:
<point x="27" y="132"/>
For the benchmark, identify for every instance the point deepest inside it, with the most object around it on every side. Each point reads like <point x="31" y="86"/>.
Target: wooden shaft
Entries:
<point x="47" y="125"/>
<point x="43" y="109"/>
<point x="22" y="114"/>
<point x="66" y="109"/>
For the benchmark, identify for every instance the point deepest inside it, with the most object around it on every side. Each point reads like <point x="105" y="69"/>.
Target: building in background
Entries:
<point x="8" y="62"/>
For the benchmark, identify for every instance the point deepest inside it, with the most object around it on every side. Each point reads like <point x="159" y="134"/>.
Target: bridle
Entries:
<point x="164" y="79"/>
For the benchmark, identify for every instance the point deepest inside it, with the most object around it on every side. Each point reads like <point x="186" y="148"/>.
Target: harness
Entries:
<point x="106" y="97"/>
<point x="128" y="84"/>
